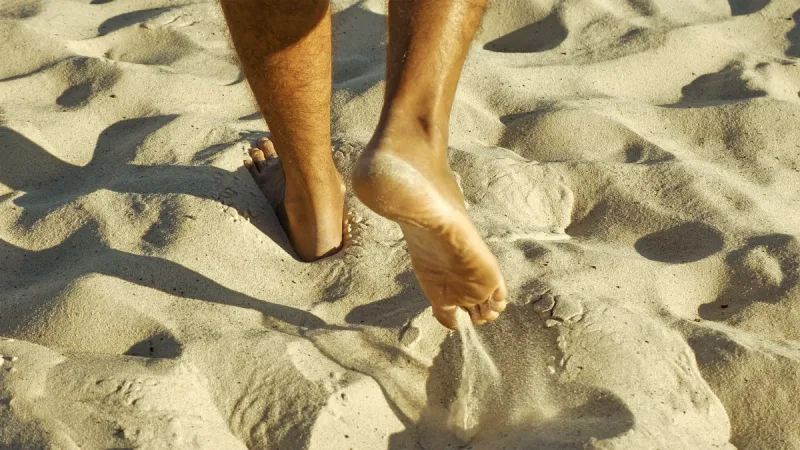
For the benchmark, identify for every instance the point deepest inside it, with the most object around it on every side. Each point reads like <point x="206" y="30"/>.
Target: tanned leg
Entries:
<point x="285" y="51"/>
<point x="404" y="174"/>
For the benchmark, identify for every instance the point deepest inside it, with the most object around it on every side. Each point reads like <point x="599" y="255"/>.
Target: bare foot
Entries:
<point x="310" y="211"/>
<point x="403" y="176"/>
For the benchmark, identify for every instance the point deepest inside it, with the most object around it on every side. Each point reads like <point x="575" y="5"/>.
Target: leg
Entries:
<point x="404" y="174"/>
<point x="285" y="51"/>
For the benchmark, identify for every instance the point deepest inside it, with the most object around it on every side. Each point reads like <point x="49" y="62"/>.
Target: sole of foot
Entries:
<point x="453" y="265"/>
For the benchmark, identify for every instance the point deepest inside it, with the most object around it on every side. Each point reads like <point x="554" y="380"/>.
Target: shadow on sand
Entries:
<point x="766" y="269"/>
<point x="50" y="183"/>
<point x="38" y="276"/>
<point x="541" y="36"/>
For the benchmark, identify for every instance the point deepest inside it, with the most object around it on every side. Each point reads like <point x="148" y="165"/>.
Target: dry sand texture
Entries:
<point x="634" y="164"/>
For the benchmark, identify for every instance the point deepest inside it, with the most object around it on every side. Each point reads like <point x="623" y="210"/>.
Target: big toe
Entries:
<point x="446" y="315"/>
<point x="266" y="146"/>
<point x="497" y="301"/>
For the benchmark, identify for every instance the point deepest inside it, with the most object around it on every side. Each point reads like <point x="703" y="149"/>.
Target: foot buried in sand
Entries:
<point x="452" y="263"/>
<point x="310" y="208"/>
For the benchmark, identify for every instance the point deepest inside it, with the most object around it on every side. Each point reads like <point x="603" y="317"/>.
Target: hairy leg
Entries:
<point x="285" y="51"/>
<point x="404" y="175"/>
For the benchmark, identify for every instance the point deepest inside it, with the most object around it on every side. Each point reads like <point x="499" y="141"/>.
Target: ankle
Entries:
<point x="323" y="182"/>
<point x="415" y="130"/>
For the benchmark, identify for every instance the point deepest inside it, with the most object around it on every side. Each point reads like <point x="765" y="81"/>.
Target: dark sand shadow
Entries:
<point x="44" y="67"/>
<point x="75" y="96"/>
<point x="160" y="345"/>
<point x="127" y="19"/>
<point x="541" y="36"/>
<point x="684" y="243"/>
<point x="84" y="253"/>
<point x="744" y="7"/>
<point x="394" y="311"/>
<point x="50" y="183"/>
<point x="794" y="37"/>
<point x="729" y="85"/>
<point x="253" y="116"/>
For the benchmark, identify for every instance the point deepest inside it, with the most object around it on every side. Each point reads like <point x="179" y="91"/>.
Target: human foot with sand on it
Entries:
<point x="403" y="174"/>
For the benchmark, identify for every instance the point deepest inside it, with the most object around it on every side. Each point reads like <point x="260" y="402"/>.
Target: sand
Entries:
<point x="479" y="377"/>
<point x="634" y="165"/>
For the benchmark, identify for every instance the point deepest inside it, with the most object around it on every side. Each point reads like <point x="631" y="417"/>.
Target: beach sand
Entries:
<point x="634" y="165"/>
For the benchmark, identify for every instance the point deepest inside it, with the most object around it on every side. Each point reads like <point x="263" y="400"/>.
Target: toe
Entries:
<point x="259" y="159"/>
<point x="251" y="167"/>
<point x="446" y="315"/>
<point x="475" y="315"/>
<point x="487" y="313"/>
<point x="266" y="146"/>
<point x="497" y="301"/>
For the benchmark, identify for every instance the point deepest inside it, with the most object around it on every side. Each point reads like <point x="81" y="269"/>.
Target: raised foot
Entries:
<point x="453" y="265"/>
<point x="310" y="209"/>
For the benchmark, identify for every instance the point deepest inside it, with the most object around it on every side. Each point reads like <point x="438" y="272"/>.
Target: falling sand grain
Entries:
<point x="479" y="374"/>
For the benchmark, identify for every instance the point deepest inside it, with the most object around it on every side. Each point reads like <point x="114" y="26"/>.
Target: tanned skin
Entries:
<point x="403" y="174"/>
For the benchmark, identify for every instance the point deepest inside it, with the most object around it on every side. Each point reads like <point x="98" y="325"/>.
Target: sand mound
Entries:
<point x="635" y="166"/>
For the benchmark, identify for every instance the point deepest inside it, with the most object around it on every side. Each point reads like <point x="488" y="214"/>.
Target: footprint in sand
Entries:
<point x="7" y="363"/>
<point x="558" y="309"/>
<point x="765" y="270"/>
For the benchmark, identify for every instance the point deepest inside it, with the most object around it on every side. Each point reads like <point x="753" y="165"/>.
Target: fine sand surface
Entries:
<point x="634" y="165"/>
